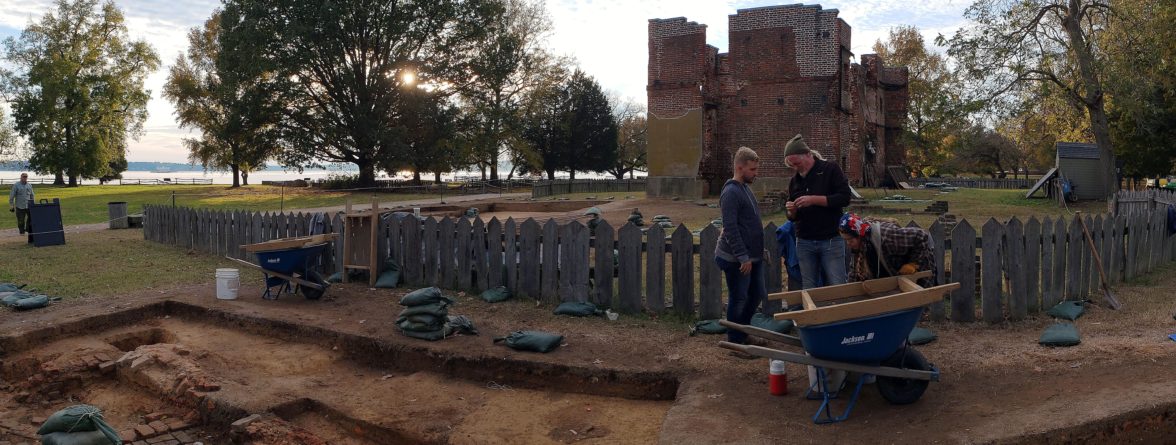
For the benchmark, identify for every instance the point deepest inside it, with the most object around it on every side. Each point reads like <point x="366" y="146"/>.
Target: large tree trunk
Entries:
<point x="571" y="175"/>
<point x="1093" y="95"/>
<point x="236" y="175"/>
<point x="244" y="177"/>
<point x="551" y="175"/>
<point x="494" y="170"/>
<point x="58" y="178"/>
<point x="73" y="180"/>
<point x="416" y="177"/>
<point x="367" y="172"/>
<point x="437" y="177"/>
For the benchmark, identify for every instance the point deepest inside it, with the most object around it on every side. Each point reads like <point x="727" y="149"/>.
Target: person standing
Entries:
<point x="740" y="250"/>
<point x="817" y="195"/>
<point x="18" y="201"/>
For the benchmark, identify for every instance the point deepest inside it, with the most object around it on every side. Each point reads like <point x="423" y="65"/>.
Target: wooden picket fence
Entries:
<point x="1007" y="271"/>
<point x="563" y="186"/>
<point x="1134" y="201"/>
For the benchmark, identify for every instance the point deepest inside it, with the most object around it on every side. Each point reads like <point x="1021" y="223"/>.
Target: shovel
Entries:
<point x="1110" y="297"/>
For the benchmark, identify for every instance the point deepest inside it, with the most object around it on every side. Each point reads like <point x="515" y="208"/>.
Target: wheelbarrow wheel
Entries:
<point x="309" y="292"/>
<point x="901" y="391"/>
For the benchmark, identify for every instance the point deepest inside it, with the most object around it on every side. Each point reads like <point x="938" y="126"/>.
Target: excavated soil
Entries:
<point x="338" y="371"/>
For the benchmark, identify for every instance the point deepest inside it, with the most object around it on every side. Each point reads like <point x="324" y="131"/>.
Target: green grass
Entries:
<point x="88" y="204"/>
<point x="108" y="263"/>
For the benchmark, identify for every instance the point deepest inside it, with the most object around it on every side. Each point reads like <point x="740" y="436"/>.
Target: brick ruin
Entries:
<point x="787" y="71"/>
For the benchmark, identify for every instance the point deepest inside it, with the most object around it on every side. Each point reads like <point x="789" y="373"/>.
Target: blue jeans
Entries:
<point x="825" y="257"/>
<point x="744" y="294"/>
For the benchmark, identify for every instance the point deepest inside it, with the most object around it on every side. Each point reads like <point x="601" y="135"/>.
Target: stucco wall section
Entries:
<point x="675" y="144"/>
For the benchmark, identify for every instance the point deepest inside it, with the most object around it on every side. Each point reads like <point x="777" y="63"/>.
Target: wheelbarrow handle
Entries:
<point x="885" y="371"/>
<point x="303" y="282"/>
<point x="762" y="333"/>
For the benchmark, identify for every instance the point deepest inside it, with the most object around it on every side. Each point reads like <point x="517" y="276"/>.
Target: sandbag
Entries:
<point x="764" y="321"/>
<point x="462" y="325"/>
<point x="439" y="334"/>
<point x="438" y="309"/>
<point x="79" y="438"/>
<point x="1060" y="334"/>
<point x="422" y="318"/>
<point x="427" y="295"/>
<point x="78" y="418"/>
<point x="577" y="309"/>
<point x="1068" y="310"/>
<point x="707" y="327"/>
<point x="496" y="295"/>
<point x="9" y="287"/>
<point x="11" y="298"/>
<point x="407" y="325"/>
<point x="388" y="279"/>
<point x="537" y="341"/>
<point x="921" y="336"/>
<point x="36" y="302"/>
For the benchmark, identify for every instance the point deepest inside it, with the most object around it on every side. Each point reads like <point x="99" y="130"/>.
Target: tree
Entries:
<point x="226" y="107"/>
<point x="983" y="150"/>
<point x="340" y="69"/>
<point x="512" y="62"/>
<point x="79" y="91"/>
<point x="9" y="141"/>
<point x="429" y="134"/>
<point x="569" y="125"/>
<point x="545" y="125"/>
<point x="1015" y="44"/>
<point x="631" y="137"/>
<point x="1142" y="56"/>
<point x="933" y="110"/>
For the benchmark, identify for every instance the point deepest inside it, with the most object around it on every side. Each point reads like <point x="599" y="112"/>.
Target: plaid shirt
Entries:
<point x="900" y="245"/>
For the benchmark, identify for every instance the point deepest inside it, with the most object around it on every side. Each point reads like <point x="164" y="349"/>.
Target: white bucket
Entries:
<point x="227" y="283"/>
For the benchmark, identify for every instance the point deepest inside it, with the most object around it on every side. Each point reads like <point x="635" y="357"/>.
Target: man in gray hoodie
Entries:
<point x="740" y="251"/>
<point x="18" y="202"/>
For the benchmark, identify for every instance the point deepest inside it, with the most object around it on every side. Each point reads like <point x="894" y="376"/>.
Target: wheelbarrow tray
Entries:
<point x="289" y="243"/>
<point x="288" y="261"/>
<point x="910" y="295"/>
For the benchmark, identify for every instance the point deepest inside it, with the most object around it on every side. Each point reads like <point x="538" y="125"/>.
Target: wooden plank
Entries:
<point x="564" y="284"/>
<point x="1074" y="246"/>
<point x="578" y="265"/>
<point x="602" y="291"/>
<point x="478" y="256"/>
<point x="1060" y="257"/>
<point x="655" y="272"/>
<point x="1116" y="260"/>
<point x="772" y="268"/>
<point x="511" y="255"/>
<point x="806" y="300"/>
<point x="461" y="244"/>
<point x="1014" y="257"/>
<point x="1099" y="234"/>
<point x="991" y="283"/>
<point x="683" y="272"/>
<point x="936" y="230"/>
<point x="549" y="281"/>
<point x="336" y="227"/>
<point x="430" y="255"/>
<point x="710" y="279"/>
<point x="529" y="265"/>
<point x="288" y="243"/>
<point x="866" y="308"/>
<point x="1087" y="259"/>
<point x="842" y="291"/>
<point x="413" y="267"/>
<point x="629" y="275"/>
<point x="1032" y="266"/>
<point x="963" y="271"/>
<point x="494" y="255"/>
<point x="447" y="254"/>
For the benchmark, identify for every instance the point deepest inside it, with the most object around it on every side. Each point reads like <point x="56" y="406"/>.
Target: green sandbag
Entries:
<point x="1068" y="310"/>
<point x="388" y="279"/>
<point x="78" y="418"/>
<point x="496" y="295"/>
<point x="462" y="325"/>
<point x="427" y="295"/>
<point x="36" y="302"/>
<point x="921" y="336"/>
<point x="764" y="321"/>
<point x="430" y="335"/>
<point x="79" y="438"/>
<point x="707" y="327"/>
<point x="354" y="275"/>
<point x="537" y="341"/>
<point x="423" y="318"/>
<point x="577" y="309"/>
<point x="1060" y="334"/>
<point x="408" y="325"/>
<point x="9" y="287"/>
<point x="11" y="298"/>
<point x="438" y="309"/>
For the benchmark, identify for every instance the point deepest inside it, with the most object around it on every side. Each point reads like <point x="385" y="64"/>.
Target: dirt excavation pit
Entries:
<point x="181" y="379"/>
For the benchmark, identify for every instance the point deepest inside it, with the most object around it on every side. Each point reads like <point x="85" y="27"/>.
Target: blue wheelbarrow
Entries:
<point x="865" y="335"/>
<point x="288" y="264"/>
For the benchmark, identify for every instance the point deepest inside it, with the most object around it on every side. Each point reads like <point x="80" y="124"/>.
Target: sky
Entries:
<point x="608" y="38"/>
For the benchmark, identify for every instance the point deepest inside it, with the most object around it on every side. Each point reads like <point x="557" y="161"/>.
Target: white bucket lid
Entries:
<point x="226" y="271"/>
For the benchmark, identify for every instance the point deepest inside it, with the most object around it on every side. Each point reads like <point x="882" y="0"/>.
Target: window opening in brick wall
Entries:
<point x="743" y="102"/>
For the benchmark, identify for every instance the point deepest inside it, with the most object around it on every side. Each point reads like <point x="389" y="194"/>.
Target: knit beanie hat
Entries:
<point x="796" y="146"/>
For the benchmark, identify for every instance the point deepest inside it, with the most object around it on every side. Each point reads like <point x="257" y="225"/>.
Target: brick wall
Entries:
<point x="787" y="72"/>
